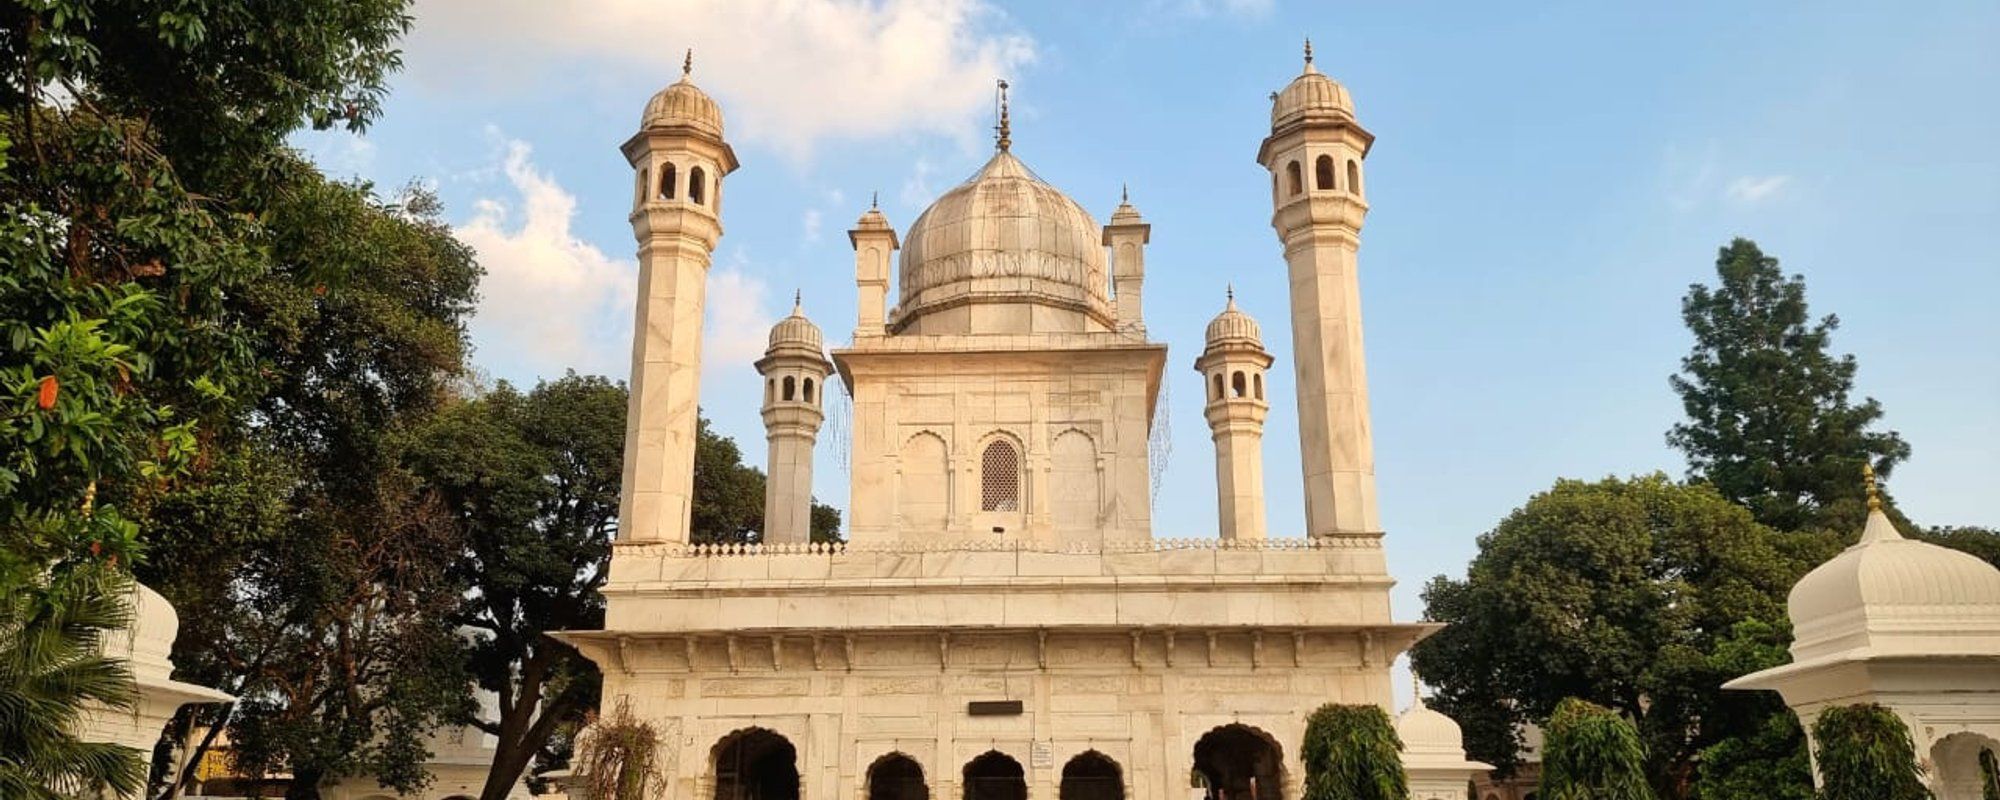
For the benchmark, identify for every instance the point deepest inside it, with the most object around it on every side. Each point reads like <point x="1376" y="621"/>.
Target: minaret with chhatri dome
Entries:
<point x="1002" y="621"/>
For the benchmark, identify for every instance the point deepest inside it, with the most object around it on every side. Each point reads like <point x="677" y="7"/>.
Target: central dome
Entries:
<point x="1003" y="253"/>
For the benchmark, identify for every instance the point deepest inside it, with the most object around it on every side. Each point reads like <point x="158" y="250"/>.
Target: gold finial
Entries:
<point x="1874" y="495"/>
<point x="1309" y="49"/>
<point x="1006" y="138"/>
<point x="687" y="63"/>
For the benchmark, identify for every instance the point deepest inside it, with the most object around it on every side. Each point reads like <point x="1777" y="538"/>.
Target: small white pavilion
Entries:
<point x="1434" y="759"/>
<point x="1910" y="626"/>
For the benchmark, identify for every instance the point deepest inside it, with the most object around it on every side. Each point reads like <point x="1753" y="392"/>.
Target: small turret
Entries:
<point x="1127" y="236"/>
<point x="1232" y="366"/>
<point x="794" y="369"/>
<point x="874" y="239"/>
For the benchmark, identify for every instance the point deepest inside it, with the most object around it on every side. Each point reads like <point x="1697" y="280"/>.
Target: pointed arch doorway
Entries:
<point x="1239" y="762"/>
<point x="994" y="775"/>
<point x="756" y="764"/>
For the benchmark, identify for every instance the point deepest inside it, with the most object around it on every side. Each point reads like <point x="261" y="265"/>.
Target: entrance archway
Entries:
<point x="1966" y="766"/>
<point x="756" y="764"/>
<point x="1092" y="775"/>
<point x="897" y="777"/>
<point x="1240" y="762"/>
<point x="994" y="775"/>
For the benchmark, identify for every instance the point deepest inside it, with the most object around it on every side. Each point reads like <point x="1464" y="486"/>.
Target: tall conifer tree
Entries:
<point x="1770" y="421"/>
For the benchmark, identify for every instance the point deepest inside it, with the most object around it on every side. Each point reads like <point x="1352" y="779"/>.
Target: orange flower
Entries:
<point x="46" y="398"/>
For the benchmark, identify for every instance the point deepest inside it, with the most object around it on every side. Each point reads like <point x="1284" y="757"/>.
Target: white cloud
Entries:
<point x="1751" y="190"/>
<point x="551" y="301"/>
<point x="737" y="325"/>
<point x="789" y="73"/>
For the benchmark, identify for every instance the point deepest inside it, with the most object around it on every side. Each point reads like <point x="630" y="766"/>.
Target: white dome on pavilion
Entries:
<point x="1888" y="595"/>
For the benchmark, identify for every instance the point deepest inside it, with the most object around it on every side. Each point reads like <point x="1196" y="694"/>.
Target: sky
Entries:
<point x="1546" y="181"/>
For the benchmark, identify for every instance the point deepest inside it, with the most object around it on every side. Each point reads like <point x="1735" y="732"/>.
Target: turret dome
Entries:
<point x="683" y="104"/>
<point x="1003" y="239"/>
<point x="1888" y="595"/>
<point x="1232" y="326"/>
<point x="795" y="330"/>
<point x="1311" y="96"/>
<point x="1428" y="732"/>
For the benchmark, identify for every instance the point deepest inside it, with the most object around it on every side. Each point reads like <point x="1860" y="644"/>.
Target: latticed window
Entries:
<point x="1000" y="477"/>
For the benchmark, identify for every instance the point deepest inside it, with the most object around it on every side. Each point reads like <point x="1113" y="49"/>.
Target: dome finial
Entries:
<point x="1309" y="50"/>
<point x="875" y="199"/>
<point x="1124" y="193"/>
<point x="1874" y="494"/>
<point x="1006" y="131"/>
<point x="1229" y="291"/>
<point x="687" y="63"/>
<point x="798" y="303"/>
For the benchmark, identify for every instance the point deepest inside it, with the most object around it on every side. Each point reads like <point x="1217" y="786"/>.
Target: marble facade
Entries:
<point x="1001" y="622"/>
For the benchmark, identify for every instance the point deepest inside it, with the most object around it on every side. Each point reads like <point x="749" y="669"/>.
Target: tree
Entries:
<point x="1764" y="757"/>
<point x="1865" y="753"/>
<point x="532" y="482"/>
<point x="1631" y="594"/>
<point x="1353" y="753"/>
<point x="1592" y="753"/>
<point x="1770" y="422"/>
<point x="116" y="357"/>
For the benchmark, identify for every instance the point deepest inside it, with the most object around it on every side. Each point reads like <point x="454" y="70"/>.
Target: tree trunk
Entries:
<point x="303" y="787"/>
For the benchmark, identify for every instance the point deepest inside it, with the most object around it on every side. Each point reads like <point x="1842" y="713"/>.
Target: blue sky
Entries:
<point x="1547" y="180"/>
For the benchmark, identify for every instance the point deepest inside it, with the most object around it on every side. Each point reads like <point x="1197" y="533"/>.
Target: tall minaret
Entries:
<point x="794" y="369"/>
<point x="1232" y="370"/>
<point x="1127" y="236"/>
<point x="679" y="159"/>
<point x="874" y="241"/>
<point x="1314" y="154"/>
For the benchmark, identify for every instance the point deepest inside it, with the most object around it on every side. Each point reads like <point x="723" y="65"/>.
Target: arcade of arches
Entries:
<point x="1230" y="762"/>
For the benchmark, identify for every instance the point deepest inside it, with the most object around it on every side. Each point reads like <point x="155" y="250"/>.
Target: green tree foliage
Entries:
<point x="117" y="356"/>
<point x="1642" y="595"/>
<point x="1592" y="753"/>
<point x="532" y="481"/>
<point x="1762" y="754"/>
<point x="193" y="305"/>
<point x="62" y="591"/>
<point x="1865" y="754"/>
<point x="1353" y="753"/>
<point x="216" y="84"/>
<point x="1770" y="421"/>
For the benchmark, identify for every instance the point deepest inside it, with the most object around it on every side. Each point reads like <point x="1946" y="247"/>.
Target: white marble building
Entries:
<point x="1001" y="622"/>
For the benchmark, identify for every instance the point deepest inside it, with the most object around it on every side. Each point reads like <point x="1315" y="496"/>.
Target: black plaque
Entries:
<point x="993" y="708"/>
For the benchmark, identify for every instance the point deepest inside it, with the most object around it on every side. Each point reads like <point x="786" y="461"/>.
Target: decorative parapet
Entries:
<point x="918" y="546"/>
